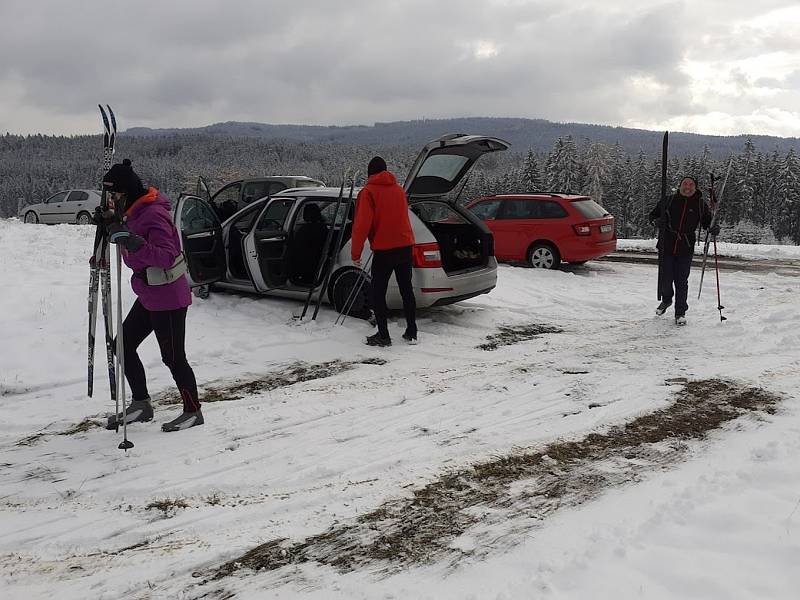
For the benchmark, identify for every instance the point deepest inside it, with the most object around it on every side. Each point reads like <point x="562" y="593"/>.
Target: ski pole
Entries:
<point x="719" y="298"/>
<point x="125" y="444"/>
<point x="351" y="298"/>
<point x="712" y="201"/>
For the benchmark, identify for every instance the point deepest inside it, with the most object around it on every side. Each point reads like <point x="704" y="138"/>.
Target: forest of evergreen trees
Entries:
<point x="761" y="201"/>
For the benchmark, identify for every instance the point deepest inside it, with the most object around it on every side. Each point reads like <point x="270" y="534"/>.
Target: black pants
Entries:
<point x="675" y="272"/>
<point x="384" y="262"/>
<point x="170" y="329"/>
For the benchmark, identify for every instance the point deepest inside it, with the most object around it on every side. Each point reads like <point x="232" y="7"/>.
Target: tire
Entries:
<point x="30" y="217"/>
<point x="84" y="218"/>
<point x="340" y="292"/>
<point x="543" y="255"/>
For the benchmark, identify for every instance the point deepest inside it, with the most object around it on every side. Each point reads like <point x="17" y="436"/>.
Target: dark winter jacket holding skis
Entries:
<point x="677" y="218"/>
<point x="150" y="218"/>
<point x="682" y="215"/>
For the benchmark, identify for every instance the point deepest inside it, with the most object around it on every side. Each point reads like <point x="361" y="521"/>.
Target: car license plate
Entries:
<point x="605" y="228"/>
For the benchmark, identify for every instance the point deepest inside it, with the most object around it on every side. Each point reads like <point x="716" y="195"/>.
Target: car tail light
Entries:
<point x="582" y="229"/>
<point x="427" y="256"/>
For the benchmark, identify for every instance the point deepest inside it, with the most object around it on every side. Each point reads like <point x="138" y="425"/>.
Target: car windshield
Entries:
<point x="590" y="209"/>
<point x="436" y="212"/>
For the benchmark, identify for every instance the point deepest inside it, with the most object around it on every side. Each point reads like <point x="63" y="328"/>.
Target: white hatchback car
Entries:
<point x="274" y="245"/>
<point x="68" y="206"/>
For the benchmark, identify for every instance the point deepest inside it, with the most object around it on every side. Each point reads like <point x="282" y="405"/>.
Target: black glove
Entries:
<point x="104" y="217"/>
<point x="660" y="221"/>
<point x="714" y="230"/>
<point x="118" y="233"/>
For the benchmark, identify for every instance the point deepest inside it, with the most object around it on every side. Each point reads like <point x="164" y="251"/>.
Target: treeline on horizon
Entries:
<point x="760" y="203"/>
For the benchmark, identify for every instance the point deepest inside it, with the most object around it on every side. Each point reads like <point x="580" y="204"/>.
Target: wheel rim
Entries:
<point x="83" y="219"/>
<point x="30" y="217"/>
<point x="542" y="258"/>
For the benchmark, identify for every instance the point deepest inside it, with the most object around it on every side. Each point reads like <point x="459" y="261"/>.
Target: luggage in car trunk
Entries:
<point x="464" y="242"/>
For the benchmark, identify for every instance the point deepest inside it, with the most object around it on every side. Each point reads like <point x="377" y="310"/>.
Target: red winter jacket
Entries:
<point x="381" y="216"/>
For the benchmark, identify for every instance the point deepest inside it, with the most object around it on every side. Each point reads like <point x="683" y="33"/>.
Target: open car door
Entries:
<point x="445" y="161"/>
<point x="266" y="246"/>
<point x="201" y="238"/>
<point x="203" y="190"/>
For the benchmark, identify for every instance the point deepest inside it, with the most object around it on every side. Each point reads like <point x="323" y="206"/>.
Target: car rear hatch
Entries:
<point x="598" y="224"/>
<point x="464" y="242"/>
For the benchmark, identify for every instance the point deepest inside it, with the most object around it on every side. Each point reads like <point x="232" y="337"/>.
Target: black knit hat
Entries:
<point x="696" y="185"/>
<point x="376" y="165"/>
<point x="122" y="178"/>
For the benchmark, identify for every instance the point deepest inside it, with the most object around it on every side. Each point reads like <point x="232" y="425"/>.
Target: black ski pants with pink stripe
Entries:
<point x="170" y="329"/>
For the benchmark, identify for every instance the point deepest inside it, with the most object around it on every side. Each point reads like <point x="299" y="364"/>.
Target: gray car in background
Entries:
<point x="67" y="206"/>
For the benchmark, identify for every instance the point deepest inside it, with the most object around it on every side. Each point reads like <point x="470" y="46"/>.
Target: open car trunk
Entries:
<point x="465" y="243"/>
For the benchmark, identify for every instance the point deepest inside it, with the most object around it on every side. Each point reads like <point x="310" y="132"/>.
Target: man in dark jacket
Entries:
<point x="677" y="219"/>
<point x="382" y="218"/>
<point x="151" y="248"/>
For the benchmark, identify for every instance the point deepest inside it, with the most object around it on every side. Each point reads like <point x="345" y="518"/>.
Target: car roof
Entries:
<point x="324" y="192"/>
<point x="537" y="196"/>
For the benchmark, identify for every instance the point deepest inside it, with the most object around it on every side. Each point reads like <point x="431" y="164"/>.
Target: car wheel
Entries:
<point x="544" y="256"/>
<point x="350" y="292"/>
<point x="30" y="217"/>
<point x="84" y="218"/>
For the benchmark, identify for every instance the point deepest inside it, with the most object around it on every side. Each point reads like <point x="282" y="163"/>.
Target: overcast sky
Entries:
<point x="703" y="66"/>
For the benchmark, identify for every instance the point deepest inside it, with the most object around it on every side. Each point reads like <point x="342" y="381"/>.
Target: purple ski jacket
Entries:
<point x="151" y="218"/>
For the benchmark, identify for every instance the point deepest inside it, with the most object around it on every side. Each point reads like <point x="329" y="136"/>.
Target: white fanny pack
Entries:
<point x="157" y="276"/>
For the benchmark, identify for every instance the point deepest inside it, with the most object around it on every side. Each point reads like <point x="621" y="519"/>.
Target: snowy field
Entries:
<point x="313" y="438"/>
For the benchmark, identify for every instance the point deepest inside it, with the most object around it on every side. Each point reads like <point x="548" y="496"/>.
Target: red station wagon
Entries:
<point x="544" y="229"/>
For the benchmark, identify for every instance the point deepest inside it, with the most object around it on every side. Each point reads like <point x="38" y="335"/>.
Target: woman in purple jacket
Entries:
<point x="151" y="248"/>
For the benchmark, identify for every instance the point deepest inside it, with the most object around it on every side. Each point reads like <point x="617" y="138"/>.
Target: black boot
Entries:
<point x="662" y="308"/>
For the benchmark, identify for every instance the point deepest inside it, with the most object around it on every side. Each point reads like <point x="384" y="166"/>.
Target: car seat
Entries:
<point x="307" y="244"/>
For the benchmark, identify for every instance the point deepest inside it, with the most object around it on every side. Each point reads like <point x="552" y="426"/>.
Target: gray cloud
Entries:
<point x="180" y="63"/>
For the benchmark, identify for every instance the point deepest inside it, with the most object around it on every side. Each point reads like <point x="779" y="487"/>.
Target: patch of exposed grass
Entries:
<point x="514" y="335"/>
<point x="82" y="427"/>
<point x="294" y="373"/>
<point x="168" y="506"/>
<point x="529" y="483"/>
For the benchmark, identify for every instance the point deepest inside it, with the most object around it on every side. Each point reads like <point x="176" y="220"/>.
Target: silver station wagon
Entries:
<point x="68" y="206"/>
<point x="274" y="245"/>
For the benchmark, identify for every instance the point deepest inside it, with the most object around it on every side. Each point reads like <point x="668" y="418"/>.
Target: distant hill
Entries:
<point x="524" y="134"/>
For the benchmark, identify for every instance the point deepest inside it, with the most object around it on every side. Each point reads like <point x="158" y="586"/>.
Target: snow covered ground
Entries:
<point x="365" y="428"/>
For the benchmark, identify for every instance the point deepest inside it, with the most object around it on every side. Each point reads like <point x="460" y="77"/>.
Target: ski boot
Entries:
<point x="185" y="420"/>
<point x="680" y="319"/>
<point x="377" y="340"/>
<point x="662" y="308"/>
<point x="138" y="411"/>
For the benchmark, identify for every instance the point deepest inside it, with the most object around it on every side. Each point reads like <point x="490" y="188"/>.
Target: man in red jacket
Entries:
<point x="382" y="218"/>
